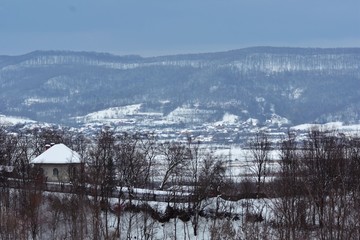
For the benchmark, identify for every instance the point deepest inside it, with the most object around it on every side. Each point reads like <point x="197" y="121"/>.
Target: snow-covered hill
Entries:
<point x="8" y="121"/>
<point x="298" y="84"/>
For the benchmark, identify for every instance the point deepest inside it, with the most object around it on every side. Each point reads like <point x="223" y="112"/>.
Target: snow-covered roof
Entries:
<point x="57" y="154"/>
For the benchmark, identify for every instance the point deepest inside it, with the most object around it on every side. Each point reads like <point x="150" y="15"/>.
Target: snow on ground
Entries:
<point x="237" y="218"/>
<point x="137" y="224"/>
<point x="188" y="115"/>
<point x="227" y="119"/>
<point x="32" y="101"/>
<point x="157" y="192"/>
<point x="307" y="126"/>
<point x="8" y="120"/>
<point x="252" y="122"/>
<point x="353" y="129"/>
<point x="240" y="161"/>
<point x="112" y="113"/>
<point x="277" y="120"/>
<point x="124" y="114"/>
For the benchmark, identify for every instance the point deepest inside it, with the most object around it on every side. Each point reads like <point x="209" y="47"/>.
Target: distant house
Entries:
<point x="58" y="163"/>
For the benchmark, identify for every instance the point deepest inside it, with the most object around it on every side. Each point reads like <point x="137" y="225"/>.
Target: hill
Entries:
<point x="303" y="85"/>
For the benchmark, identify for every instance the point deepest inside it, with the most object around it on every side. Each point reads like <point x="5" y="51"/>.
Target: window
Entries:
<point x="55" y="172"/>
<point x="72" y="173"/>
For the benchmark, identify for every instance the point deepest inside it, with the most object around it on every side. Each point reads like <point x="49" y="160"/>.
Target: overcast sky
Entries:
<point x="159" y="27"/>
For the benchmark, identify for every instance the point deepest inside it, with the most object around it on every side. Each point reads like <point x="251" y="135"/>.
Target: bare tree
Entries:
<point x="102" y="175"/>
<point x="132" y="169"/>
<point x="290" y="204"/>
<point x="175" y="157"/>
<point x="260" y="147"/>
<point x="206" y="176"/>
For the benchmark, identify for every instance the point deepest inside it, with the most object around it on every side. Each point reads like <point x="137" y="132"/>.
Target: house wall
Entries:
<point x="62" y="172"/>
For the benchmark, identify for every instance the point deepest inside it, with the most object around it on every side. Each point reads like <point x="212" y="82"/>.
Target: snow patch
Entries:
<point x="277" y="120"/>
<point x="8" y="120"/>
<point x="309" y="126"/>
<point x="34" y="100"/>
<point x="228" y="119"/>
<point x="164" y="101"/>
<point x="188" y="115"/>
<point x="252" y="121"/>
<point x="260" y="99"/>
<point x="296" y="94"/>
<point x="112" y="113"/>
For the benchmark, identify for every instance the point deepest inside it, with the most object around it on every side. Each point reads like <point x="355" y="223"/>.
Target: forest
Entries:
<point x="59" y="86"/>
<point x="313" y="194"/>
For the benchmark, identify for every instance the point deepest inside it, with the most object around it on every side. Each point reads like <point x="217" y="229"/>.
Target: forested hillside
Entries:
<point x="300" y="84"/>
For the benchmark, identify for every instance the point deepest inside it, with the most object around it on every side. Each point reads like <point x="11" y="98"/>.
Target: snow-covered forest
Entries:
<point x="133" y="186"/>
<point x="63" y="87"/>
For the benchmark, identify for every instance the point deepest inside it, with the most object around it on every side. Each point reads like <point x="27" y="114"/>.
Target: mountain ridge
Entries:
<point x="301" y="84"/>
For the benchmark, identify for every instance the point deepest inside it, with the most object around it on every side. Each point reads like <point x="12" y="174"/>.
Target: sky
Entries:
<point x="161" y="27"/>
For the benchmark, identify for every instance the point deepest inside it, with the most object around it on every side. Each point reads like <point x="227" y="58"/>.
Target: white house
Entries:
<point x="58" y="163"/>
